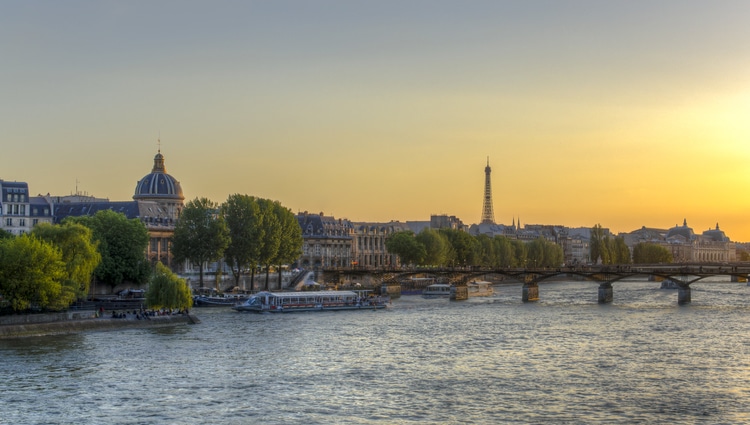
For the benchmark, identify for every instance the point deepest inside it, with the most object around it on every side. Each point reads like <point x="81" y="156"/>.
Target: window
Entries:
<point x="35" y="221"/>
<point x="9" y="222"/>
<point x="22" y="222"/>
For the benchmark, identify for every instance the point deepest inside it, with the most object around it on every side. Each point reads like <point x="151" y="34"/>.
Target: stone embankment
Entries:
<point x="81" y="321"/>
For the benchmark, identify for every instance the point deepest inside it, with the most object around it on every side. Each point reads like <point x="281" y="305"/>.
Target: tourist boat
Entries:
<point x="287" y="302"/>
<point x="437" y="290"/>
<point x="479" y="288"/>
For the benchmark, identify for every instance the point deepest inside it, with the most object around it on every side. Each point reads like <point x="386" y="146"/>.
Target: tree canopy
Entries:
<point x="405" y="245"/>
<point x="122" y="243"/>
<point x="167" y="290"/>
<point x="79" y="253"/>
<point x="31" y="274"/>
<point x="200" y="235"/>
<point x="650" y="253"/>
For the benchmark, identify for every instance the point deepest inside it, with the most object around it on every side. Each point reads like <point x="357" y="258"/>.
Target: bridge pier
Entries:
<point x="606" y="293"/>
<point x="683" y="295"/>
<point x="530" y="292"/>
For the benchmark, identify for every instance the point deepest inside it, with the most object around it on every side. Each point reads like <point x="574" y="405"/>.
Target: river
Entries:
<point x="564" y="359"/>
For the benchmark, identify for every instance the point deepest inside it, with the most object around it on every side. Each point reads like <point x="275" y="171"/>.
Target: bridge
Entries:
<point x="681" y="275"/>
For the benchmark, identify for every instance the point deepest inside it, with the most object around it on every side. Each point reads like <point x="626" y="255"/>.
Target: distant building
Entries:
<point x="685" y="245"/>
<point x="19" y="212"/>
<point x="368" y="247"/>
<point x="326" y="241"/>
<point x="157" y="203"/>
<point x="447" y="222"/>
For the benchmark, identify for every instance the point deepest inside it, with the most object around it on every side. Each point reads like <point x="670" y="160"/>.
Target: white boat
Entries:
<point x="437" y="290"/>
<point x="287" y="302"/>
<point x="479" y="288"/>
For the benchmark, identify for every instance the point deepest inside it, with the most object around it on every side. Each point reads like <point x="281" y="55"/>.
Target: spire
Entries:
<point x="488" y="216"/>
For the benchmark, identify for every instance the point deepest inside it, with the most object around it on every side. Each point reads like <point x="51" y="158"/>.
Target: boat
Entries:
<point x="669" y="284"/>
<point x="437" y="290"/>
<point x="287" y="302"/>
<point x="217" y="300"/>
<point x="480" y="288"/>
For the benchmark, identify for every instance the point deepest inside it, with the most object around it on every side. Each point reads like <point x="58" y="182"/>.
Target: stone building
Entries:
<point x="326" y="241"/>
<point x="19" y="212"/>
<point x="368" y="246"/>
<point x="157" y="203"/>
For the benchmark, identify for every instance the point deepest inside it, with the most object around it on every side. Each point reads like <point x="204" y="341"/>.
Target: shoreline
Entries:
<point x="77" y="325"/>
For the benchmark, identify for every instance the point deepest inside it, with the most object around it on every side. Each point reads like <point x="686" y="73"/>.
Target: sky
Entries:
<point x="620" y="113"/>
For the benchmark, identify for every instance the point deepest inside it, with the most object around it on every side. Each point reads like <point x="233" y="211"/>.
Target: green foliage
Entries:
<point x="31" y="272"/>
<point x="437" y="247"/>
<point x="405" y="245"/>
<point x="649" y="253"/>
<point x="200" y="235"/>
<point x="166" y="290"/>
<point x="503" y="252"/>
<point x="520" y="253"/>
<point x="464" y="247"/>
<point x="5" y="234"/>
<point x="543" y="253"/>
<point x="290" y="246"/>
<point x="620" y="251"/>
<point x="242" y="216"/>
<point x="598" y="245"/>
<point x="121" y="244"/>
<point x="79" y="253"/>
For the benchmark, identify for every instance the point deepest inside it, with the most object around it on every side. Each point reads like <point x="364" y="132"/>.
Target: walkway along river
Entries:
<point x="564" y="359"/>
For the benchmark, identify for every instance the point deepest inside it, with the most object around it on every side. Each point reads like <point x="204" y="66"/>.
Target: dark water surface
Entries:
<point x="565" y="359"/>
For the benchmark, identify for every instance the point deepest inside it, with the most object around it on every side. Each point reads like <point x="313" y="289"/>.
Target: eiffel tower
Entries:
<point x="488" y="217"/>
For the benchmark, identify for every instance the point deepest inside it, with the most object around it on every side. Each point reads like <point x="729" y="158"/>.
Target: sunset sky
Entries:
<point x="627" y="114"/>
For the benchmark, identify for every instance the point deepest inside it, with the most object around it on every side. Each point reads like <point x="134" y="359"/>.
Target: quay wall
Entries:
<point x="76" y="322"/>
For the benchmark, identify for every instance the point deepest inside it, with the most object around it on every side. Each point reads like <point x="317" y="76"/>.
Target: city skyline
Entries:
<point x="624" y="114"/>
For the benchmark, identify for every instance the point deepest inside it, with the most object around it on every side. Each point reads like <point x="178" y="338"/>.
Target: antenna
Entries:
<point x="158" y="141"/>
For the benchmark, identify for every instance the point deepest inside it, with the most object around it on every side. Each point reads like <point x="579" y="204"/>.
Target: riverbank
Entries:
<point x="70" y="323"/>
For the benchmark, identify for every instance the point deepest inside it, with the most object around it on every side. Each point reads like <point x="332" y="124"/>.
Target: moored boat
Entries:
<point x="479" y="288"/>
<point x="217" y="301"/>
<point x="437" y="290"/>
<point x="287" y="302"/>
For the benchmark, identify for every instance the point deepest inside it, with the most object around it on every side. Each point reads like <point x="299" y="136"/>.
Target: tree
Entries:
<point x="598" y="245"/>
<point x="536" y="252"/>
<point x="290" y="246"/>
<point x="520" y="253"/>
<point x="242" y="216"/>
<point x="436" y="247"/>
<point x="620" y="251"/>
<point x="122" y="243"/>
<point x="405" y="245"/>
<point x="79" y="253"/>
<point x="200" y="235"/>
<point x="272" y="232"/>
<point x="503" y="252"/>
<point x="31" y="272"/>
<point x="166" y="290"/>
<point x="5" y="234"/>
<point x="464" y="246"/>
<point x="649" y="253"/>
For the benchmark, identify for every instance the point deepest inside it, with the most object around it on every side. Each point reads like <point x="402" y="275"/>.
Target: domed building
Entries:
<point x="162" y="188"/>
<point x="157" y="203"/>
<point x="712" y="246"/>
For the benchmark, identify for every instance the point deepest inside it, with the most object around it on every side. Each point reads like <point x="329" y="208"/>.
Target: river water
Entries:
<point x="564" y="359"/>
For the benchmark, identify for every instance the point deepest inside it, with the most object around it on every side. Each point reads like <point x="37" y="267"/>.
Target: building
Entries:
<point x="326" y="241"/>
<point x="685" y="245"/>
<point x="488" y="216"/>
<point x="19" y="212"/>
<point x="157" y="203"/>
<point x="368" y="246"/>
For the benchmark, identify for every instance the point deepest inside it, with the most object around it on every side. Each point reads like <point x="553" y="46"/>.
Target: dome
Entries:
<point x="716" y="235"/>
<point x="684" y="231"/>
<point x="158" y="184"/>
